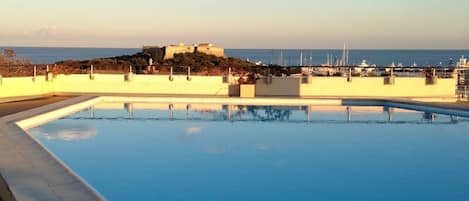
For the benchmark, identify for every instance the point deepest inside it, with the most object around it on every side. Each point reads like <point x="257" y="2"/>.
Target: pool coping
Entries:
<point x="34" y="173"/>
<point x="31" y="171"/>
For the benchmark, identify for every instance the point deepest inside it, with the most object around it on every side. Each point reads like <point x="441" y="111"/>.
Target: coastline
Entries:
<point x="385" y="56"/>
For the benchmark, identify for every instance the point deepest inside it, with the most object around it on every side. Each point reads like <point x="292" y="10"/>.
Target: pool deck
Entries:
<point x="34" y="173"/>
<point x="13" y="107"/>
<point x="30" y="170"/>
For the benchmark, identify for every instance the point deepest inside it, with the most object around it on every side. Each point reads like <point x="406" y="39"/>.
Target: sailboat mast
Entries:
<point x="328" y="61"/>
<point x="311" y="59"/>
<point x="347" y="63"/>
<point x="347" y="57"/>
<point x="301" y="58"/>
<point x="343" y="55"/>
<point x="280" y="62"/>
<point x="271" y="57"/>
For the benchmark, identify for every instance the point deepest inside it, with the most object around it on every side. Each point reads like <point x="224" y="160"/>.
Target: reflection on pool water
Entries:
<point x="143" y="151"/>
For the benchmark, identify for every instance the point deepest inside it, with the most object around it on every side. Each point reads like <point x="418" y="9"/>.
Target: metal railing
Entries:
<point x="42" y="69"/>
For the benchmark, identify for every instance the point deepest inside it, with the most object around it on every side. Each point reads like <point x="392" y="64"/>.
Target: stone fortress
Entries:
<point x="207" y="48"/>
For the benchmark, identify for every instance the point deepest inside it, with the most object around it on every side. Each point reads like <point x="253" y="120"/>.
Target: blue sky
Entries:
<point x="370" y="24"/>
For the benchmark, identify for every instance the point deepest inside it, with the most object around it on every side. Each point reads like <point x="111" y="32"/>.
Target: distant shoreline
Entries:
<point x="228" y="48"/>
<point x="291" y="57"/>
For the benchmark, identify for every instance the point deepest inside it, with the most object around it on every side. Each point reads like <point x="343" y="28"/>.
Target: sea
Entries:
<point x="287" y="57"/>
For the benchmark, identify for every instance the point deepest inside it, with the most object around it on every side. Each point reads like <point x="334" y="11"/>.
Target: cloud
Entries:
<point x="65" y="133"/>
<point x="190" y="131"/>
<point x="47" y="31"/>
<point x="42" y="32"/>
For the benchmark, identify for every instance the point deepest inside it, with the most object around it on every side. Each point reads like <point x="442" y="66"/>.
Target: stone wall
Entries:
<point x="211" y="50"/>
<point x="170" y="51"/>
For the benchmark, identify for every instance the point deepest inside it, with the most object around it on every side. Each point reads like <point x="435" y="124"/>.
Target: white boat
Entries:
<point x="324" y="71"/>
<point x="364" y="64"/>
<point x="363" y="67"/>
<point x="463" y="63"/>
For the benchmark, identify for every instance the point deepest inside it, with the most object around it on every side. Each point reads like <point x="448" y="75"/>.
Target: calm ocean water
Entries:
<point x="266" y="56"/>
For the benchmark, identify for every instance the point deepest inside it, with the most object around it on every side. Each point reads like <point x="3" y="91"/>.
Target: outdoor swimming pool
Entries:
<point x="163" y="151"/>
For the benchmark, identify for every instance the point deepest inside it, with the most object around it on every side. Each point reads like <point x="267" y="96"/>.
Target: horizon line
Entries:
<point x="244" y="48"/>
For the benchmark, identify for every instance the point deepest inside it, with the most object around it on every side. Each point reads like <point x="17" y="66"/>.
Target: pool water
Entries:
<point x="141" y="151"/>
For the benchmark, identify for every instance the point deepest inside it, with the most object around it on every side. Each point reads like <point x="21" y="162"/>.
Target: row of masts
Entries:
<point x="345" y="56"/>
<point x="304" y="60"/>
<point x="344" y="61"/>
<point x="308" y="61"/>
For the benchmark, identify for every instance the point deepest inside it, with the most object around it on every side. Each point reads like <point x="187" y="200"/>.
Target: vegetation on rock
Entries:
<point x="8" y="57"/>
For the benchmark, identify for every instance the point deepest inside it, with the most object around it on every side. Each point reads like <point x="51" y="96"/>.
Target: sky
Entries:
<point x="315" y="24"/>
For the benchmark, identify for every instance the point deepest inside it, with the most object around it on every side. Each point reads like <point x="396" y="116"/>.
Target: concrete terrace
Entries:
<point x="34" y="173"/>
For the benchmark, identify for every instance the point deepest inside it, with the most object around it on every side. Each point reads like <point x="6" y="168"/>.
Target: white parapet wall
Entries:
<point x="376" y="87"/>
<point x="142" y="84"/>
<point x="11" y="87"/>
<point x="358" y="87"/>
<point x="414" y="87"/>
<point x="278" y="86"/>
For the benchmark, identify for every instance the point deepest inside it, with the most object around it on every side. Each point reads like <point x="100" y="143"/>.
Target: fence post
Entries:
<point x="432" y="79"/>
<point x="189" y="74"/>
<point x="129" y="76"/>
<point x="48" y="74"/>
<point x="34" y="73"/>
<point x="390" y="79"/>
<point x="349" y="75"/>
<point x="91" y="72"/>
<point x="171" y="74"/>
<point x="229" y="75"/>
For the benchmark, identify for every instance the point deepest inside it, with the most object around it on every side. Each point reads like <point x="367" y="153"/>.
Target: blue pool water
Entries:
<point x="216" y="152"/>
